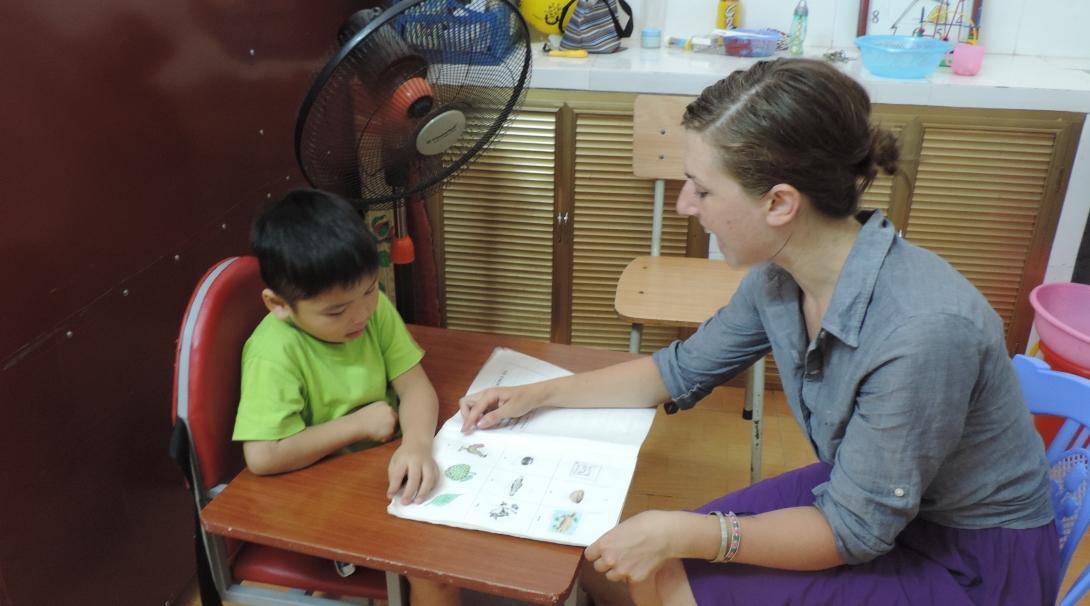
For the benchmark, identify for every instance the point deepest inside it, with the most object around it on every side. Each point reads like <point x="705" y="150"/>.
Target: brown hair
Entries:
<point x="796" y="121"/>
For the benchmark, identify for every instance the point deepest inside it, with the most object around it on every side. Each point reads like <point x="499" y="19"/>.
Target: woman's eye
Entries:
<point x="702" y="194"/>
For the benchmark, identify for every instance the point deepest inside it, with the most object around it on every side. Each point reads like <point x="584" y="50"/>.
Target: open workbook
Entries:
<point x="556" y="474"/>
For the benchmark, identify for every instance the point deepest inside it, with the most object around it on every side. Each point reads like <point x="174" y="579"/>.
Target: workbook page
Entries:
<point x="558" y="475"/>
<point x="506" y="367"/>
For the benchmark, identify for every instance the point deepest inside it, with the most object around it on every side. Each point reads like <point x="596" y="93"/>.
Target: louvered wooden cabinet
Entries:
<point x="533" y="237"/>
<point x="496" y="233"/>
<point x="535" y="234"/>
<point x="983" y="189"/>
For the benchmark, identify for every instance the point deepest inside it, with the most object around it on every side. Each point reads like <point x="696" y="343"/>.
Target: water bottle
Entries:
<point x="798" y="29"/>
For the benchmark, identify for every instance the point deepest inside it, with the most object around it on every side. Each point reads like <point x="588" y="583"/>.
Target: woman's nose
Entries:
<point x="686" y="206"/>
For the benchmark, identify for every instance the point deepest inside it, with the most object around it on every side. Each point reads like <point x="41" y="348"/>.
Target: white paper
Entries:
<point x="556" y="474"/>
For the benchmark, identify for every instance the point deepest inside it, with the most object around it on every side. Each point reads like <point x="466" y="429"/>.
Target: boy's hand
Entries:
<point x="377" y="421"/>
<point x="412" y="471"/>
<point x="487" y="408"/>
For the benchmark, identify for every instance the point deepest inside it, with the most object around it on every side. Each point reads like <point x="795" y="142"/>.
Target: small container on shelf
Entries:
<point x="650" y="37"/>
<point x="749" y="42"/>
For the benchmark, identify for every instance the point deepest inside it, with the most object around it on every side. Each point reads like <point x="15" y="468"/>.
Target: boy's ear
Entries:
<point x="782" y="203"/>
<point x="276" y="304"/>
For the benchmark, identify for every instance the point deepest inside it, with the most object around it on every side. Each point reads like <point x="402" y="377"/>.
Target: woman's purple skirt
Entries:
<point x="930" y="564"/>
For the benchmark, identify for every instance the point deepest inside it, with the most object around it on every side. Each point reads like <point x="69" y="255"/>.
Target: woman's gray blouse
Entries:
<point x="907" y="391"/>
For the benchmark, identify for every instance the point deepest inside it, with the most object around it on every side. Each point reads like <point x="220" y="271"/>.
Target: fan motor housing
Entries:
<point x="440" y="132"/>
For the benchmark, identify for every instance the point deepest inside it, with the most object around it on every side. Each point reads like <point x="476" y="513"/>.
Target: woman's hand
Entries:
<point x="636" y="548"/>
<point x="487" y="408"/>
<point x="413" y="471"/>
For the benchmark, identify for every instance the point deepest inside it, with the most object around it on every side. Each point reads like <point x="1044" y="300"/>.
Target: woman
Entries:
<point x="931" y="486"/>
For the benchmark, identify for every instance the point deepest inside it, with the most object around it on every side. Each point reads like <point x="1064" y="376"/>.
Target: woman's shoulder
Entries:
<point x="918" y="285"/>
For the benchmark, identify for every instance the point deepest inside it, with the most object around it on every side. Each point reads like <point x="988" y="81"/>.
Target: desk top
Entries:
<point x="337" y="508"/>
<point x="674" y="291"/>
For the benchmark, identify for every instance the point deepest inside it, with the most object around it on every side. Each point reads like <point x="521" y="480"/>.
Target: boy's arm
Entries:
<point x="412" y="465"/>
<point x="375" y="421"/>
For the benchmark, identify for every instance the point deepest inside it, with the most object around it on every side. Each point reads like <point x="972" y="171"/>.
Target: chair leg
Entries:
<point x="1077" y="589"/>
<point x="634" y="338"/>
<point x="755" y="405"/>
<point x="577" y="597"/>
<point x="396" y="589"/>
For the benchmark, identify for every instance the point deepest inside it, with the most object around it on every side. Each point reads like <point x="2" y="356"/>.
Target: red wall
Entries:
<point x="138" y="139"/>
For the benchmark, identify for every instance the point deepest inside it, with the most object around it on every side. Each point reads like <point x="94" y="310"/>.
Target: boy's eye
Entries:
<point x="334" y="314"/>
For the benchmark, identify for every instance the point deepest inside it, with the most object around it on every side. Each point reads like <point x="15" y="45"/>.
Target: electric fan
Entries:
<point x="413" y="93"/>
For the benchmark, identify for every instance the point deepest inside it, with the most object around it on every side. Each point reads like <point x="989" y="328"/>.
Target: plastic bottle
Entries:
<point x="798" y="29"/>
<point x="728" y="14"/>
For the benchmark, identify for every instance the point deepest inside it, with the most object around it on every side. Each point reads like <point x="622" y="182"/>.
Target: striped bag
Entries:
<point x="594" y="26"/>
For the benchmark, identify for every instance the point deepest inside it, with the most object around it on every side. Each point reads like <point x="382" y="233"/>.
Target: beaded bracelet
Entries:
<point x="735" y="537"/>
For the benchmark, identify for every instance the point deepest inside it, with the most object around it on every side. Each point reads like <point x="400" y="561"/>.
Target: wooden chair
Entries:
<point x="677" y="291"/>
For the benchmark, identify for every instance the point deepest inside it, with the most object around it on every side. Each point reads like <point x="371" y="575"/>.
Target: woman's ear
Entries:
<point x="276" y="304"/>
<point x="783" y="203"/>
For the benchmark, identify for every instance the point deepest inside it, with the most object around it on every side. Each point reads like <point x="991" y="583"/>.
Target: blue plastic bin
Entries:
<point x="902" y="56"/>
<point x="456" y="34"/>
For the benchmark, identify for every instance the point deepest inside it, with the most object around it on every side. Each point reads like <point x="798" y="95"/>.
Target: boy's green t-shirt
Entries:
<point x="291" y="381"/>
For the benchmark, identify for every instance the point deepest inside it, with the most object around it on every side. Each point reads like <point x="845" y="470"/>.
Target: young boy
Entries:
<point x="316" y="372"/>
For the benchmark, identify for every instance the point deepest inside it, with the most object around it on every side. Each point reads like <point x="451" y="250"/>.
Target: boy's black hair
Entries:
<point x="309" y="241"/>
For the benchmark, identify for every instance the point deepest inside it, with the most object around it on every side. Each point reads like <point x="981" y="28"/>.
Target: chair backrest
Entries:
<point x="222" y="312"/>
<point x="1067" y="396"/>
<point x="658" y="139"/>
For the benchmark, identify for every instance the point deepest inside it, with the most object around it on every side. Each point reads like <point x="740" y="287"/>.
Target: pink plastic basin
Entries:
<point x="1063" y="319"/>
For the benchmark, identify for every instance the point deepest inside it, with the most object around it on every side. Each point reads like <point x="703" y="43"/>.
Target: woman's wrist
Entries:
<point x="677" y="531"/>
<point x="543" y="394"/>
<point x="694" y="535"/>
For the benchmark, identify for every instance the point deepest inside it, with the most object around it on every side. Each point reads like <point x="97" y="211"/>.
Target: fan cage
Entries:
<point x="473" y="57"/>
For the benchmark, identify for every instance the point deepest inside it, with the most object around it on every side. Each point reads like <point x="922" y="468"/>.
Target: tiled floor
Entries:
<point x="714" y="442"/>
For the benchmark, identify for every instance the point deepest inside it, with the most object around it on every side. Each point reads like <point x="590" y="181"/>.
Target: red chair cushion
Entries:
<point x="264" y="564"/>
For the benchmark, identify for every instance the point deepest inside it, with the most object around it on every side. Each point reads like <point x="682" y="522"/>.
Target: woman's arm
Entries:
<point x="632" y="384"/>
<point x="797" y="538"/>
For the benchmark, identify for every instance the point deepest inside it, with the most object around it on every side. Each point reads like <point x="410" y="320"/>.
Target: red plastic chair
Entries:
<point x="223" y="311"/>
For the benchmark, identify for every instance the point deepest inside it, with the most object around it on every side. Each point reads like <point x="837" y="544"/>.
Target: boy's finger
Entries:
<point x="427" y="483"/>
<point x="412" y="485"/>
<point x="396" y="476"/>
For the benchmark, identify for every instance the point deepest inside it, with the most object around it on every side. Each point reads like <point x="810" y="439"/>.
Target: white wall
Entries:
<point x="1056" y="28"/>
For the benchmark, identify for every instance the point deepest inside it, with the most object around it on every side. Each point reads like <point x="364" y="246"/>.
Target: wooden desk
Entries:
<point x="336" y="509"/>
<point x="684" y="292"/>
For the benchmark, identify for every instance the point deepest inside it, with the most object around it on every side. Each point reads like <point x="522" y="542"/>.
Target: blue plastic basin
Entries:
<point x="901" y="56"/>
